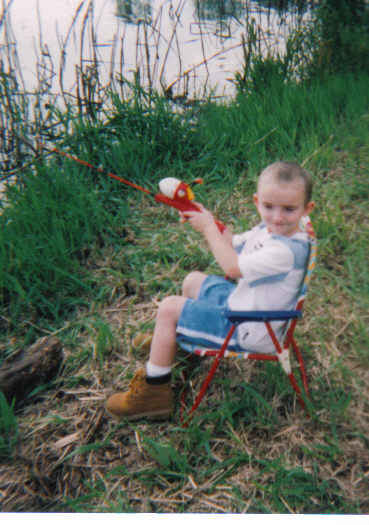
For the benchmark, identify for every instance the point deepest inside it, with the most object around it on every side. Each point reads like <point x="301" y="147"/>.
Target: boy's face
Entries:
<point x="281" y="205"/>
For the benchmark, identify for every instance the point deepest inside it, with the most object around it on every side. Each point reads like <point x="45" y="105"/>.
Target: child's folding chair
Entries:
<point x="282" y="347"/>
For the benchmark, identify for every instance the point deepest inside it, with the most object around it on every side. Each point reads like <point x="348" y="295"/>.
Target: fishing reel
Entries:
<point x="179" y="195"/>
<point x="177" y="190"/>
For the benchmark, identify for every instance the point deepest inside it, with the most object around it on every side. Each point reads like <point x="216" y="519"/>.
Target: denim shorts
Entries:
<point x="202" y="322"/>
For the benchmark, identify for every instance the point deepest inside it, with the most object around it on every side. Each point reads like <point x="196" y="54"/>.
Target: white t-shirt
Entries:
<point x="272" y="268"/>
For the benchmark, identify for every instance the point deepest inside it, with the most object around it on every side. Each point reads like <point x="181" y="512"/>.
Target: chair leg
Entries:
<point x="302" y="365"/>
<point x="185" y="389"/>
<point x="297" y="390"/>
<point x="210" y="375"/>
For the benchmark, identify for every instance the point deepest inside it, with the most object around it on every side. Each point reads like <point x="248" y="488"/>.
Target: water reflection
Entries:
<point x="282" y="6"/>
<point x="134" y="11"/>
<point x="179" y="46"/>
<point x="222" y="19"/>
<point x="220" y="10"/>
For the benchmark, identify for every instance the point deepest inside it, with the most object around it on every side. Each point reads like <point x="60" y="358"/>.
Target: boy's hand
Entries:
<point x="199" y="220"/>
<point x="219" y="241"/>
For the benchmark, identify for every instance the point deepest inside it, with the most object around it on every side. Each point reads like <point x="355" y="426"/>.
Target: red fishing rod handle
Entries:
<point x="184" y="205"/>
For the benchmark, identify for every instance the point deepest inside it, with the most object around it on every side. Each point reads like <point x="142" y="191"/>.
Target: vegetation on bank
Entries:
<point x="86" y="259"/>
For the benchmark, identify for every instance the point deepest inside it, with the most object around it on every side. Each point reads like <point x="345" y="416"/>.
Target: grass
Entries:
<point x="249" y="448"/>
<point x="8" y="428"/>
<point x="87" y="259"/>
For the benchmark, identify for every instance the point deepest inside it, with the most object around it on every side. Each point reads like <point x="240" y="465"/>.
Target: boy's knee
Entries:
<point x="171" y="307"/>
<point x="192" y="284"/>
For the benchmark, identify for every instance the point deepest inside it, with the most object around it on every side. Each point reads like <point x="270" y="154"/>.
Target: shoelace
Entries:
<point x="134" y="384"/>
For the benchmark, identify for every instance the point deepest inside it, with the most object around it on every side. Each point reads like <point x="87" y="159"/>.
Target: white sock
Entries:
<point x="156" y="370"/>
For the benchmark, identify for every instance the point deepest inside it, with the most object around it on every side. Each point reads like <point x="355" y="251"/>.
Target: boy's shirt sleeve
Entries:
<point x="239" y="239"/>
<point x="271" y="261"/>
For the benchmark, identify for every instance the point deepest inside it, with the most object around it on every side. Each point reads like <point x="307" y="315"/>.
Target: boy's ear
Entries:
<point x="255" y="199"/>
<point x="309" y="207"/>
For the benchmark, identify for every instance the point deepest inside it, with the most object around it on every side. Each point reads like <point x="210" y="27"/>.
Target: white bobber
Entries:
<point x="168" y="186"/>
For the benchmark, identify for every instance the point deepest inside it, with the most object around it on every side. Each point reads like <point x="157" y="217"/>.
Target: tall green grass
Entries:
<point x="49" y="228"/>
<point x="283" y="120"/>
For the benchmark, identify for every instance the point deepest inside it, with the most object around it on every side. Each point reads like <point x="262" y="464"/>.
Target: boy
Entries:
<point x="268" y="264"/>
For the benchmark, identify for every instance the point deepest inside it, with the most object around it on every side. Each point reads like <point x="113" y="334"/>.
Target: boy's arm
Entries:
<point x="219" y="244"/>
<point x="227" y="235"/>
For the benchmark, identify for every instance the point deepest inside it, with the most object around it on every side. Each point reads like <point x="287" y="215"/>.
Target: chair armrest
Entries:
<point x="237" y="316"/>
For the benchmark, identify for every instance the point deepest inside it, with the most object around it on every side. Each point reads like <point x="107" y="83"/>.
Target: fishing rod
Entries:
<point x="173" y="192"/>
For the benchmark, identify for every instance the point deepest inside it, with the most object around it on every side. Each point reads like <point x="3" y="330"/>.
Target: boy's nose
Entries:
<point x="278" y="216"/>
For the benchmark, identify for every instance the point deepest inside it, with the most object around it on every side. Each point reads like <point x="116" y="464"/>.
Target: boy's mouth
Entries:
<point x="277" y="228"/>
<point x="274" y="225"/>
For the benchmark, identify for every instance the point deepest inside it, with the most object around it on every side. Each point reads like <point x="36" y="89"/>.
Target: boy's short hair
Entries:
<point x="287" y="172"/>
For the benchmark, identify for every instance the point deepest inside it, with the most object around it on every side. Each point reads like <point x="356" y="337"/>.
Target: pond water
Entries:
<point x="187" y="46"/>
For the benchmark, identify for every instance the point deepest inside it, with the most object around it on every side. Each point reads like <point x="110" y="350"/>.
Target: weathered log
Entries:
<point x="34" y="366"/>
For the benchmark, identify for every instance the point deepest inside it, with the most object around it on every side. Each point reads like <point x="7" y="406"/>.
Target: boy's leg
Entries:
<point x="150" y="393"/>
<point x="190" y="289"/>
<point x="192" y="284"/>
<point x="163" y="345"/>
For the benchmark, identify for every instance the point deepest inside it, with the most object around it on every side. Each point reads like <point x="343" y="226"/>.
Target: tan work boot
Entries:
<point x="142" y="341"/>
<point x="153" y="401"/>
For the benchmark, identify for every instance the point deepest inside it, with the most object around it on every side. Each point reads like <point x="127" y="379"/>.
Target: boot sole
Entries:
<point x="158" y="415"/>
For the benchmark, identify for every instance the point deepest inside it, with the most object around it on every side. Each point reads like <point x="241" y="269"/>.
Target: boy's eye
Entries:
<point x="289" y="209"/>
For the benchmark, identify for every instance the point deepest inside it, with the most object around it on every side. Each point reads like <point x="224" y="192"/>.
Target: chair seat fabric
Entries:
<point x="262" y="315"/>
